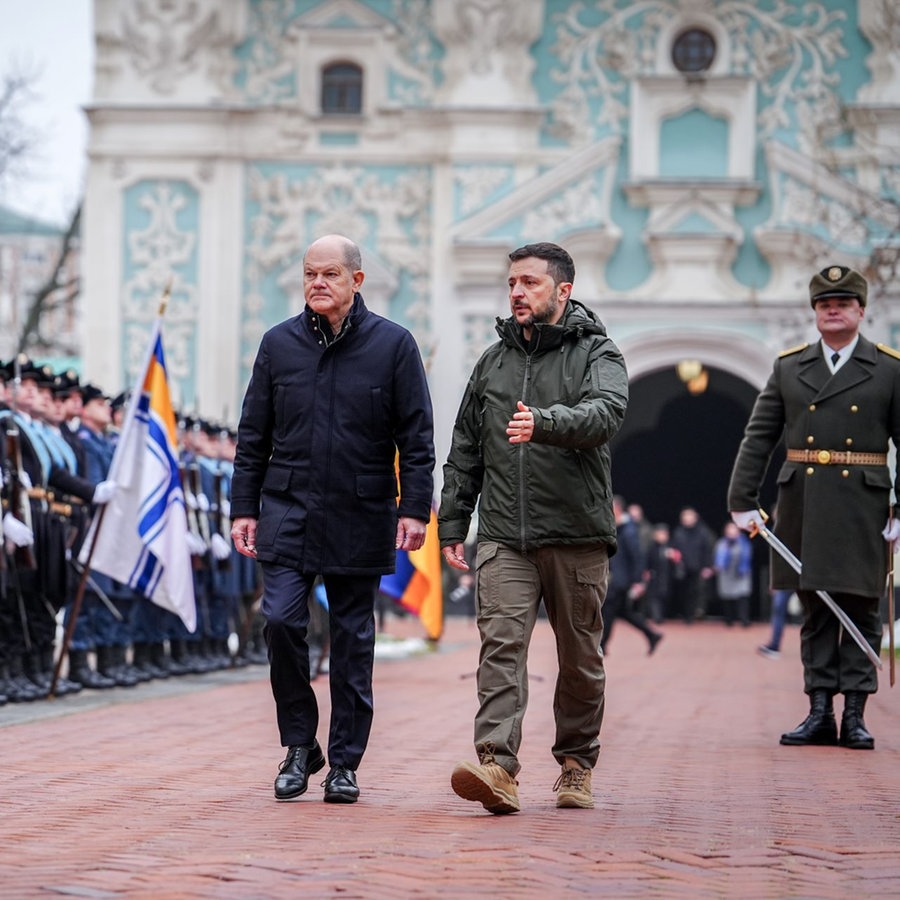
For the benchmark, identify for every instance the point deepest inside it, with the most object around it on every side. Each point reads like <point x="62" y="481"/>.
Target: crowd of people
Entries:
<point x="59" y="436"/>
<point x="685" y="573"/>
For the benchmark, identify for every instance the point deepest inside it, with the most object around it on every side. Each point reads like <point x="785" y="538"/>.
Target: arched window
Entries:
<point x="342" y="89"/>
<point x="693" y="50"/>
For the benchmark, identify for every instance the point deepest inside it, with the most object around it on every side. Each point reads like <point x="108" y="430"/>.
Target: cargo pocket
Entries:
<point x="591" y="581"/>
<point x="487" y="578"/>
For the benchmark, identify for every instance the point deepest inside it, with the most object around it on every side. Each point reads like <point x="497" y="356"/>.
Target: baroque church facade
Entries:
<point x="700" y="159"/>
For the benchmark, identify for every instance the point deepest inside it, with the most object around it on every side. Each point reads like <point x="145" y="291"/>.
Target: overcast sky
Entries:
<point x="54" y="38"/>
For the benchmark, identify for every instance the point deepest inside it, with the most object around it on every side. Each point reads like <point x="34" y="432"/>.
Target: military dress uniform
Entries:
<point x="834" y="497"/>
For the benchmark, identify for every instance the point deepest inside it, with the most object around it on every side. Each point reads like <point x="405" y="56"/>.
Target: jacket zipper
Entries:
<point x="526" y="380"/>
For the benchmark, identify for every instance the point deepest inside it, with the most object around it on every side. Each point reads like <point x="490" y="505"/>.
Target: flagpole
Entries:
<point x="94" y="528"/>
<point x="76" y="606"/>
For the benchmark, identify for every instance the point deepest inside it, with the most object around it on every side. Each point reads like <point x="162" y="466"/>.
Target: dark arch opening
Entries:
<point x="677" y="449"/>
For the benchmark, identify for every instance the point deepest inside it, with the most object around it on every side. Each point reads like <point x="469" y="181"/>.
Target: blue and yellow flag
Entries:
<point x="416" y="583"/>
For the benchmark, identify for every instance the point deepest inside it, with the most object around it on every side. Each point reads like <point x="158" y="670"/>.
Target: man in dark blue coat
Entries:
<point x="337" y="396"/>
<point x="626" y="580"/>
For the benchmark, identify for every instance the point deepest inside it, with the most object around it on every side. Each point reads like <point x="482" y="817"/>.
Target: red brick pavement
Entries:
<point x="165" y="790"/>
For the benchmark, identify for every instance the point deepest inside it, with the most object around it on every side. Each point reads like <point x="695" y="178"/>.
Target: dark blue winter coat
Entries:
<point x="321" y="426"/>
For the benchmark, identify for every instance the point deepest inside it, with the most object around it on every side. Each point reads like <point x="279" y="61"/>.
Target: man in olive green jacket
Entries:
<point x="837" y="402"/>
<point x="530" y="447"/>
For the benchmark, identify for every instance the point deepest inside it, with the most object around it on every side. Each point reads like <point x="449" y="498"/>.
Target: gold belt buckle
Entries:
<point x="823" y="457"/>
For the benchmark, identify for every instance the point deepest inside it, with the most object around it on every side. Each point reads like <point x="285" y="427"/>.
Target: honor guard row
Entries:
<point x="58" y="440"/>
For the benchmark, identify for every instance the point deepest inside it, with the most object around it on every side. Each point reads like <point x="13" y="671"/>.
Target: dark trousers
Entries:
<point x="351" y="612"/>
<point x="831" y="658"/>
<point x="619" y="606"/>
<point x="689" y="597"/>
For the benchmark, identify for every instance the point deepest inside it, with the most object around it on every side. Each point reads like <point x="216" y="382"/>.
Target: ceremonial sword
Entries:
<point x="890" y="590"/>
<point x="785" y="553"/>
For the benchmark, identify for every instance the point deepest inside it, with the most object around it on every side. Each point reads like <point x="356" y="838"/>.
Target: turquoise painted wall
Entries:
<point x="807" y="57"/>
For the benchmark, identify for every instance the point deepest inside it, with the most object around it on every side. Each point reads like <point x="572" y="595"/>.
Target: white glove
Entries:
<point x="25" y="479"/>
<point x="891" y="531"/>
<point x="747" y="520"/>
<point x="220" y="547"/>
<point x="104" y="492"/>
<point x="203" y="502"/>
<point x="196" y="544"/>
<point x="190" y="499"/>
<point x="226" y="509"/>
<point x="17" y="532"/>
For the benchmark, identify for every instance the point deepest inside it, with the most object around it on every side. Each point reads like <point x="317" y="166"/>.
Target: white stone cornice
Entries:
<point x="525" y="197"/>
<point x="720" y="191"/>
<point x="821" y="179"/>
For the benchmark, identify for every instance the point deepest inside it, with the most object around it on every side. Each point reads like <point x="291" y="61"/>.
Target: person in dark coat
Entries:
<point x="694" y="541"/>
<point x="663" y="564"/>
<point x="626" y="584"/>
<point x="337" y="396"/>
<point x="837" y="402"/>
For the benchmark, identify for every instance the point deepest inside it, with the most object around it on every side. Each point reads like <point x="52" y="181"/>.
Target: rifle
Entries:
<point x="19" y="502"/>
<point x="201" y="517"/>
<point x="219" y="525"/>
<point x="192" y="515"/>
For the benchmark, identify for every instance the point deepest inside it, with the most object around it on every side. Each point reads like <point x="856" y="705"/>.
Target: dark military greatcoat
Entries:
<point x="831" y="507"/>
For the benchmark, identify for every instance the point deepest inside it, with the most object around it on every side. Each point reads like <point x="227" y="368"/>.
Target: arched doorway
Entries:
<point x="677" y="448"/>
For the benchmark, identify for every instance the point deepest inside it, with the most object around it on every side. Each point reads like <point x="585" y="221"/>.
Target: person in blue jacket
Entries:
<point x="336" y="396"/>
<point x="733" y="562"/>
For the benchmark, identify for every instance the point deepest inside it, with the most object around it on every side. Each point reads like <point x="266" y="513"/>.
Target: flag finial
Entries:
<point x="164" y="300"/>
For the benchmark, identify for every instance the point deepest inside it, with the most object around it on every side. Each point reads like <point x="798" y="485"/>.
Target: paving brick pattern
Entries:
<point x="165" y="790"/>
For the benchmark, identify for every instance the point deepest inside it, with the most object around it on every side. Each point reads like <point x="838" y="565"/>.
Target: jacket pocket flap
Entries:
<point x="486" y="550"/>
<point x="785" y="474"/>
<point x="592" y="575"/>
<point x="278" y="478"/>
<point x="879" y="478"/>
<point x="378" y="486"/>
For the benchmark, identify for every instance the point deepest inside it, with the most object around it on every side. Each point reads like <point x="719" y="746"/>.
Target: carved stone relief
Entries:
<point x="158" y="256"/>
<point x="476" y="183"/>
<point x="487" y="44"/>
<point x="381" y="209"/>
<point x="165" y="40"/>
<point x="790" y="49"/>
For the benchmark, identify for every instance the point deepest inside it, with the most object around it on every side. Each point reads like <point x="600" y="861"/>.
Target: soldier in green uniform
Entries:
<point x="837" y="403"/>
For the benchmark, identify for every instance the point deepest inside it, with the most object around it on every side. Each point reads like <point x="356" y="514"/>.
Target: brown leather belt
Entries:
<point x="837" y="458"/>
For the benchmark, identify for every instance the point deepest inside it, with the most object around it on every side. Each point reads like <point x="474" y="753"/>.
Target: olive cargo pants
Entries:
<point x="509" y="587"/>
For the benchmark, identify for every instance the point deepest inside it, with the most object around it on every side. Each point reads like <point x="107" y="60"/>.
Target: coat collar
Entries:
<point x="815" y="374"/>
<point x="358" y="312"/>
<point x="577" y="319"/>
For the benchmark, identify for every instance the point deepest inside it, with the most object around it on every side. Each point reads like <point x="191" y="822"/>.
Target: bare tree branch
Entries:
<point x="44" y="298"/>
<point x="17" y="140"/>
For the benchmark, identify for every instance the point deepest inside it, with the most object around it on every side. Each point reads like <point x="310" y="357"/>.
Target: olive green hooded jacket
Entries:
<point x="554" y="489"/>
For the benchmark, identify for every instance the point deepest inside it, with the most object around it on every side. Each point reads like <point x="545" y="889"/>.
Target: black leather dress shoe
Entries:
<point x="340" y="786"/>
<point x="298" y="765"/>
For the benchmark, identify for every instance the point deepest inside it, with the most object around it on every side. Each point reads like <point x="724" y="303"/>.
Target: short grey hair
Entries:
<point x="352" y="256"/>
